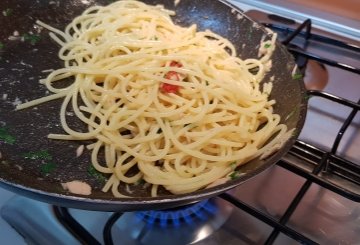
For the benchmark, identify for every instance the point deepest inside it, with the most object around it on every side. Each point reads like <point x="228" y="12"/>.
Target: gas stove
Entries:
<point x="311" y="196"/>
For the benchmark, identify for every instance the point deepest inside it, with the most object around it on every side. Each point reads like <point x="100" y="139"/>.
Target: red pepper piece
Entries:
<point x="175" y="64"/>
<point x="171" y="75"/>
<point x="170" y="88"/>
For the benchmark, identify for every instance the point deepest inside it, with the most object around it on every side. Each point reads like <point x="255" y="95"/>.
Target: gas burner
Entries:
<point x="184" y="225"/>
<point x="177" y="216"/>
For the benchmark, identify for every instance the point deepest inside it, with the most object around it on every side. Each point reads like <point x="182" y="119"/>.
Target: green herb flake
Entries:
<point x="140" y="182"/>
<point x="96" y="174"/>
<point x="233" y="165"/>
<point x="267" y="45"/>
<point x="307" y="96"/>
<point x="47" y="168"/>
<point x="7" y="12"/>
<point x="297" y="76"/>
<point x="32" y="38"/>
<point x="234" y="175"/>
<point x="6" y="137"/>
<point x="35" y="155"/>
<point x="207" y="83"/>
<point x="2" y="45"/>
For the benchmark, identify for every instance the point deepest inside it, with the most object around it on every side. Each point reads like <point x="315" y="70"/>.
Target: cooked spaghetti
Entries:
<point x="173" y="103"/>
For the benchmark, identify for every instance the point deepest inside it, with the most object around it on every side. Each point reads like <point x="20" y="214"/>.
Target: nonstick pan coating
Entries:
<point x="35" y="166"/>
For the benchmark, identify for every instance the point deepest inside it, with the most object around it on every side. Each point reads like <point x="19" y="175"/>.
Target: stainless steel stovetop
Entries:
<point x="321" y="215"/>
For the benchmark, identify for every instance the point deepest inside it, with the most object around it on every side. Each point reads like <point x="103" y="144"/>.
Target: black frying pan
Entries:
<point x="35" y="166"/>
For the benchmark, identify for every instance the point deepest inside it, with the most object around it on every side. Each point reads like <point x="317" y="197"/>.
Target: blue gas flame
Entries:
<point x="175" y="217"/>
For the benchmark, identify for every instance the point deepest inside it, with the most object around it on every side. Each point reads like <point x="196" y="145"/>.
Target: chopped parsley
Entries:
<point x="96" y="174"/>
<point x="140" y="182"/>
<point x="7" y="12"/>
<point x="32" y="38"/>
<point x="297" y="76"/>
<point x="267" y="45"/>
<point x="233" y="165"/>
<point x="6" y="136"/>
<point x="1" y="45"/>
<point x="47" y="168"/>
<point x="35" y="155"/>
<point x="234" y="175"/>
